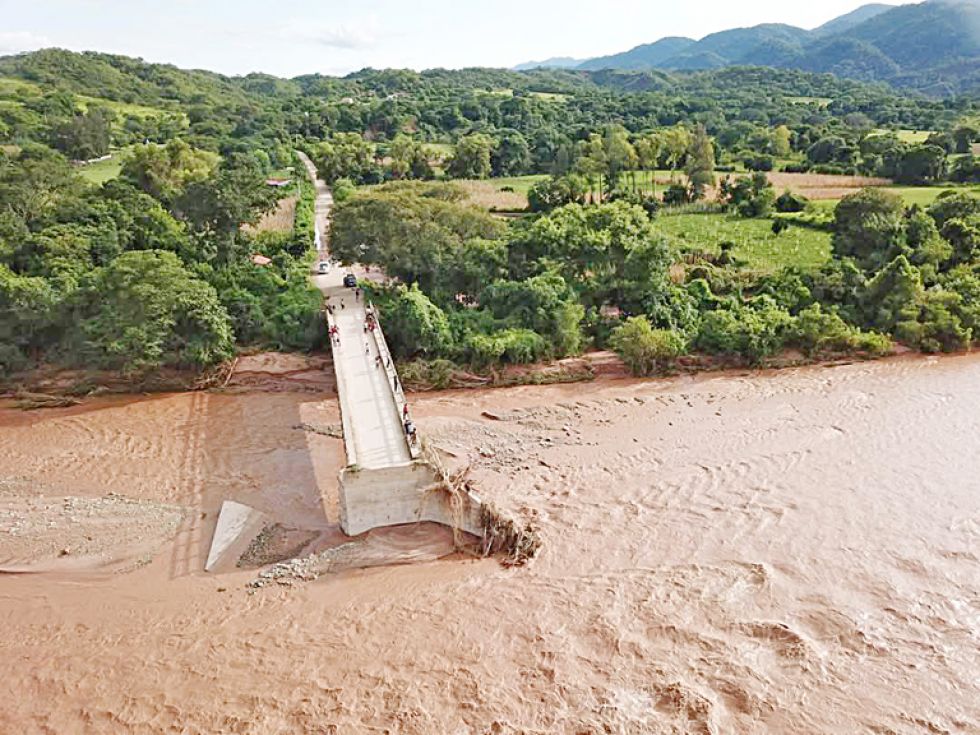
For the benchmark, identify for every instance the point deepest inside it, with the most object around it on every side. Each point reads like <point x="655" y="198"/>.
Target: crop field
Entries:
<point x="123" y="108"/>
<point x="754" y="240"/>
<point x="280" y="219"/>
<point x="488" y="195"/>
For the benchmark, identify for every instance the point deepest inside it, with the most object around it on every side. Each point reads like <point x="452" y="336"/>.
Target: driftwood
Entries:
<point x="27" y="401"/>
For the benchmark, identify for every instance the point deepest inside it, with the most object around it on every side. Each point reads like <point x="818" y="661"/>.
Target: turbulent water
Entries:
<point x="778" y="552"/>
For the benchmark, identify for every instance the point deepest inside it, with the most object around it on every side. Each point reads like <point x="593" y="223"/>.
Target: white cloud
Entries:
<point x="363" y="34"/>
<point x="13" y="42"/>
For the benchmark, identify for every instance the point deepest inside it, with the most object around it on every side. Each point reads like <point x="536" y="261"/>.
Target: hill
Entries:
<point x="932" y="47"/>
<point x="848" y="21"/>
<point x="648" y="56"/>
<point x="557" y="62"/>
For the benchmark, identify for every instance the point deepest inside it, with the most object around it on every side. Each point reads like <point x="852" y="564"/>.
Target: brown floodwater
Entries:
<point x="791" y="552"/>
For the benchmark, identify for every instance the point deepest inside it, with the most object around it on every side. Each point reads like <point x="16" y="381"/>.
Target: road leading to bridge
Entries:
<point x="385" y="483"/>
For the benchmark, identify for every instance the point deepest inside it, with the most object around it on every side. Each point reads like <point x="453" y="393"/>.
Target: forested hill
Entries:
<point x="932" y="47"/>
<point x="440" y="103"/>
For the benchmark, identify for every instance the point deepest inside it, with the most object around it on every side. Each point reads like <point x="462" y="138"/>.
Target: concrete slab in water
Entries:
<point x="237" y="526"/>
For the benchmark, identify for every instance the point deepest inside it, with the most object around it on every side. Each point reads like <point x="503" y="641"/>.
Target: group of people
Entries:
<point x="370" y="324"/>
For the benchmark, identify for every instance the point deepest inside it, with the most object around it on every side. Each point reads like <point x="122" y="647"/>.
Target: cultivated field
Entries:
<point x="813" y="186"/>
<point x="280" y="219"/>
<point x="754" y="240"/>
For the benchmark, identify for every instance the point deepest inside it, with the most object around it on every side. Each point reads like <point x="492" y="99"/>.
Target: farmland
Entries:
<point x="753" y="240"/>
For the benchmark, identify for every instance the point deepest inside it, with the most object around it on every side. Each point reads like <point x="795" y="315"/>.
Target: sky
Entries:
<point x="293" y="37"/>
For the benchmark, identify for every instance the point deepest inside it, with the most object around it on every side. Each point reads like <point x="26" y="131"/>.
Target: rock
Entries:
<point x="493" y="416"/>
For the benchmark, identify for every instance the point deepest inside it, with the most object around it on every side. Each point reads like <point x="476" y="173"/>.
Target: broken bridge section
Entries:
<point x="386" y="481"/>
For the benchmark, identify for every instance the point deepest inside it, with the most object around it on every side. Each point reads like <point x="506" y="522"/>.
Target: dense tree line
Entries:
<point x="148" y="271"/>
<point x="475" y="291"/>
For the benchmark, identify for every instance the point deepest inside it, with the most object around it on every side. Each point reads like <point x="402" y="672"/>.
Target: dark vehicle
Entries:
<point x="350" y="280"/>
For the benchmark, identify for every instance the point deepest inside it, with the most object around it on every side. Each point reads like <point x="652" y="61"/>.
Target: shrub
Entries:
<point x="518" y="346"/>
<point x="646" y="350"/>
<point x="818" y="331"/>
<point x="790" y="202"/>
<point x="753" y="333"/>
<point x="677" y="194"/>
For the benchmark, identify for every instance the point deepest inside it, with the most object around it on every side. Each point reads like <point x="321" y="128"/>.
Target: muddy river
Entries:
<point x="794" y="552"/>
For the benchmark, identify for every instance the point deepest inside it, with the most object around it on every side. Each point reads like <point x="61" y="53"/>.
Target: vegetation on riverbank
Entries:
<point x="150" y="264"/>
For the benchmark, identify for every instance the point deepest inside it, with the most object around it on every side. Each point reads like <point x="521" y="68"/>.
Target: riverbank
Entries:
<point x="294" y="372"/>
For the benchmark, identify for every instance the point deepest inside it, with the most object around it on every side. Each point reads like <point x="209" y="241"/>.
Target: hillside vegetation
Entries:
<point x="648" y="198"/>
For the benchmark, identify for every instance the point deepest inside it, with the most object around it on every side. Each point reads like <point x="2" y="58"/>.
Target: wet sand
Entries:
<point x="778" y="552"/>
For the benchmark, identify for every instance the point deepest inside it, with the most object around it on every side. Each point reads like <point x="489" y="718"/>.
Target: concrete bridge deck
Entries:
<point x="372" y="400"/>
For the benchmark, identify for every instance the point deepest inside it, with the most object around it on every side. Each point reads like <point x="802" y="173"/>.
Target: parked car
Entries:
<point x="350" y="280"/>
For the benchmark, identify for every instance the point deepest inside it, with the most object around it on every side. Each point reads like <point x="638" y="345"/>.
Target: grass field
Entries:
<point x="123" y="108"/>
<point x="754" y="240"/>
<point x="926" y="195"/>
<point x="908" y="136"/>
<point x="103" y="171"/>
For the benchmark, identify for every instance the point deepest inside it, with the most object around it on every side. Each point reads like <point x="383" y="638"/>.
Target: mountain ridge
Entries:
<point x="932" y="46"/>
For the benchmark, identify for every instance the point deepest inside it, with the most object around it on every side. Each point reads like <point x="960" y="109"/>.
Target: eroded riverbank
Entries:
<point x="778" y="552"/>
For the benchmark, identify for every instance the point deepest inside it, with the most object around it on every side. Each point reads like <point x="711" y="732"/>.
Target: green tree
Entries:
<point x="922" y="164"/>
<point x="781" y="141"/>
<point x="646" y="350"/>
<point x="164" y="172"/>
<point x="84" y="136"/>
<point x="416" y="326"/>
<point x="471" y="159"/>
<point x="701" y="161"/>
<point x="649" y="148"/>
<point x="592" y="162"/>
<point x="27" y="315"/>
<point x="676" y="143"/>
<point x="869" y="227"/>
<point x="145" y="310"/>
<point x="512" y="155"/>
<point x="964" y="136"/>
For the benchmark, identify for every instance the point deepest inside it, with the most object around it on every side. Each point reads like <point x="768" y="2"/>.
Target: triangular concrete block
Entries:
<point x="237" y="526"/>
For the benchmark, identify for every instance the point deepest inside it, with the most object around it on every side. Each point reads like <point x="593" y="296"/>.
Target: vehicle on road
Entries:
<point x="323" y="267"/>
<point x="350" y="280"/>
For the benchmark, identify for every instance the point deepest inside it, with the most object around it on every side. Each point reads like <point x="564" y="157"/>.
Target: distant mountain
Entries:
<point x="648" y="56"/>
<point x="558" y="62"/>
<point x="855" y="18"/>
<point x="933" y="47"/>
<point x="735" y="45"/>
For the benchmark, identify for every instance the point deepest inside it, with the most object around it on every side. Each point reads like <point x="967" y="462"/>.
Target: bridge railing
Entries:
<point x="394" y="382"/>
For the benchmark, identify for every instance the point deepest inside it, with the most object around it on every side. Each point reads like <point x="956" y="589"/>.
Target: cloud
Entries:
<point x="360" y="35"/>
<point x="13" y="42"/>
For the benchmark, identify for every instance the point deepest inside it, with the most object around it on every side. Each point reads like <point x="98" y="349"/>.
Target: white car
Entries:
<point x="323" y="267"/>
